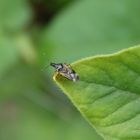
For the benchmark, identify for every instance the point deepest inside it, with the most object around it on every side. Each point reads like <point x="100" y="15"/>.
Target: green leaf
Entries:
<point x="91" y="27"/>
<point x="108" y="93"/>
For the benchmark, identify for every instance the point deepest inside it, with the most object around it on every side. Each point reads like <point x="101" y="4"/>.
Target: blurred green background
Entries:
<point x="34" y="33"/>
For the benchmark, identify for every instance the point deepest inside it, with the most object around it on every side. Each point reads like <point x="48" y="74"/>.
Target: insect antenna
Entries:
<point x="48" y="65"/>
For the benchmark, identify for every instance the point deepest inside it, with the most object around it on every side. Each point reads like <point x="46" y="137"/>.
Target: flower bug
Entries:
<point x="66" y="71"/>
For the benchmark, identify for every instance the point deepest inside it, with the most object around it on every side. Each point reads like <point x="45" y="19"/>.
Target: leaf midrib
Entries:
<point x="111" y="86"/>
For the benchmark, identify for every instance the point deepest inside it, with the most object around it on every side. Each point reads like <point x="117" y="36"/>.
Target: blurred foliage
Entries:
<point x="21" y="119"/>
<point x="45" y="10"/>
<point x="92" y="27"/>
<point x="35" y="32"/>
<point x="14" y="15"/>
<point x="8" y="55"/>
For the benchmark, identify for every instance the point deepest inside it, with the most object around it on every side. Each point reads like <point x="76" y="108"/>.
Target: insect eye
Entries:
<point x="58" y="67"/>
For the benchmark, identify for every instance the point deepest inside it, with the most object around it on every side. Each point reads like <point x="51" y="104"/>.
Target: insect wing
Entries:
<point x="68" y="76"/>
<point x="72" y="76"/>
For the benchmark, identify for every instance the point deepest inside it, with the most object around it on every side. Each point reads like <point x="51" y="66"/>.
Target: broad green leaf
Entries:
<point x="90" y="27"/>
<point x="108" y="93"/>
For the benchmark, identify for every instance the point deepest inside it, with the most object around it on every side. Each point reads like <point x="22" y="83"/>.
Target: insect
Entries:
<point x="66" y="71"/>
